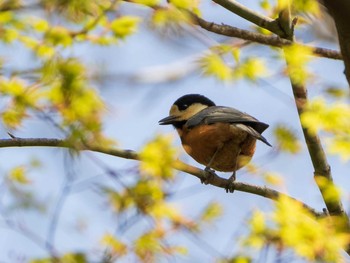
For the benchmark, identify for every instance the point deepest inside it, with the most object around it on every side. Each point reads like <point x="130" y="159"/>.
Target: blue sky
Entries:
<point x="134" y="109"/>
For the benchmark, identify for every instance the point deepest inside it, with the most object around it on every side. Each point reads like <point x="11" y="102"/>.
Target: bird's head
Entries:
<point x="184" y="108"/>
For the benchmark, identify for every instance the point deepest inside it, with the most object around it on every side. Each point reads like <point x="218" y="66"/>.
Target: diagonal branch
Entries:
<point x="231" y="31"/>
<point x="268" y="23"/>
<point x="215" y="180"/>
<point x="322" y="171"/>
<point x="316" y="152"/>
<point x="274" y="41"/>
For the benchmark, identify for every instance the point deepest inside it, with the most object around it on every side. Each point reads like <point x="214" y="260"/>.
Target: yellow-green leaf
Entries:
<point x="297" y="57"/>
<point x="273" y="178"/>
<point x="148" y="244"/>
<point x="117" y="247"/>
<point x="147" y="2"/>
<point x="169" y="18"/>
<point x="213" y="65"/>
<point x="330" y="191"/>
<point x="186" y="4"/>
<point x="340" y="145"/>
<point x="59" y="35"/>
<point x="40" y="25"/>
<point x="157" y="157"/>
<point x="211" y="212"/>
<point x="18" y="175"/>
<point x="13" y="118"/>
<point x="251" y="69"/>
<point x="286" y="139"/>
<point x="124" y="26"/>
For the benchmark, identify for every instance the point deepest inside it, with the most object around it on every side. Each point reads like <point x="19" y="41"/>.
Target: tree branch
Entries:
<point x="274" y="41"/>
<point x="340" y="10"/>
<point x="322" y="169"/>
<point x="270" y="24"/>
<point x="215" y="180"/>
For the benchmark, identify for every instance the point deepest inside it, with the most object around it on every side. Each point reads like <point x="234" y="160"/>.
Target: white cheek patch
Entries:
<point x="192" y="110"/>
<point x="187" y="113"/>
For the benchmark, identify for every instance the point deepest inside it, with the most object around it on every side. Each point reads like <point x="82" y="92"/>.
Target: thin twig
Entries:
<point x="215" y="180"/>
<point x="90" y="26"/>
<point x="65" y="190"/>
<point x="32" y="236"/>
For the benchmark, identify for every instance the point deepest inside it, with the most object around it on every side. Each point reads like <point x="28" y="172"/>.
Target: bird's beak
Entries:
<point x="168" y="120"/>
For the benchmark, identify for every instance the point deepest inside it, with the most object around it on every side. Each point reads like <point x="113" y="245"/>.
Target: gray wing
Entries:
<point x="240" y="119"/>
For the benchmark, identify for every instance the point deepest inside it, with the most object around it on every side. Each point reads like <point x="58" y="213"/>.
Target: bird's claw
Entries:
<point x="209" y="174"/>
<point x="230" y="187"/>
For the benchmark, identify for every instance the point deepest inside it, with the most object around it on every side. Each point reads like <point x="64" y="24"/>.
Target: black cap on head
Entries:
<point x="187" y="100"/>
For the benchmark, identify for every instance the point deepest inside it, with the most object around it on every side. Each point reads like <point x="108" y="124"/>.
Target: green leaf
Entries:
<point x="157" y="157"/>
<point x="331" y="192"/>
<point x="59" y="35"/>
<point x="191" y="5"/>
<point x="251" y="69"/>
<point x="340" y="145"/>
<point x="273" y="178"/>
<point x="299" y="6"/>
<point x="297" y="57"/>
<point x="169" y="18"/>
<point x="265" y="4"/>
<point x="6" y="17"/>
<point x="147" y="2"/>
<point x="146" y="194"/>
<point x="118" y="248"/>
<point x="286" y="139"/>
<point x="211" y="212"/>
<point x="148" y="245"/>
<point x="40" y="25"/>
<point x="67" y="258"/>
<point x="124" y="26"/>
<point x="18" y="175"/>
<point x="9" y="35"/>
<point x="13" y="118"/>
<point x="213" y="65"/>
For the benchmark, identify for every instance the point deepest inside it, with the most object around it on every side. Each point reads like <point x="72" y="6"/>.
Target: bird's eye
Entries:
<point x="183" y="106"/>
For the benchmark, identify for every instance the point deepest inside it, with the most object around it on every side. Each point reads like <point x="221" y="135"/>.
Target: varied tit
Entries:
<point x="218" y="137"/>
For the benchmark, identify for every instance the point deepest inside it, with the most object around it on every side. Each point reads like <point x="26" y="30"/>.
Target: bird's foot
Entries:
<point x="230" y="187"/>
<point x="209" y="174"/>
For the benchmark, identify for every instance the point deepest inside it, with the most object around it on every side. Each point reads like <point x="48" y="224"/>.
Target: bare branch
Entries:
<point x="316" y="152"/>
<point x="274" y="41"/>
<point x="340" y="10"/>
<point x="215" y="180"/>
<point x="252" y="16"/>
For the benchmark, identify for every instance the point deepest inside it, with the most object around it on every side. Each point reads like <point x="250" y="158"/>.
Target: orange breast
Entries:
<point x="236" y="147"/>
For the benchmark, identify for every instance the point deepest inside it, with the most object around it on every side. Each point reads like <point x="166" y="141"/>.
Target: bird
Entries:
<point x="221" y="138"/>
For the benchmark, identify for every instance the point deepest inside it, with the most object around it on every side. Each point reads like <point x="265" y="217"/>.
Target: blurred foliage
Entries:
<point x="297" y="58"/>
<point x="18" y="187"/>
<point x="286" y="139"/>
<point x="66" y="258"/>
<point x="334" y="120"/>
<point x="274" y="7"/>
<point x="290" y="226"/>
<point x="148" y="196"/>
<point x="225" y="64"/>
<point x="58" y="86"/>
<point x="116" y="248"/>
<point x="150" y="162"/>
